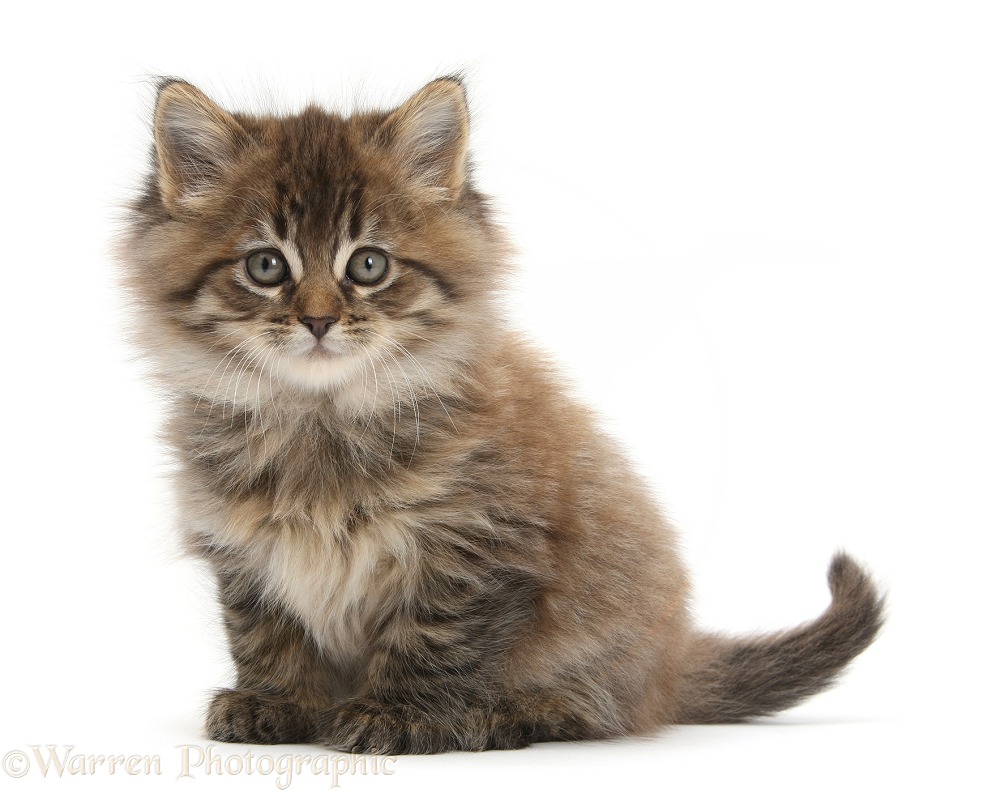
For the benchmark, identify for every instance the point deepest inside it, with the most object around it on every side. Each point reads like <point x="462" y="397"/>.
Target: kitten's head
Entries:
<point x="314" y="250"/>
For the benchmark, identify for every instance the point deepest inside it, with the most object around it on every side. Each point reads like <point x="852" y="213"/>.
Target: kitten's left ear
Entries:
<point x="429" y="134"/>
<point x="195" y="141"/>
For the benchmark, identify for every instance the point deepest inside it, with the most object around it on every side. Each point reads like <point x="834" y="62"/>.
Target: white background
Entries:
<point x="756" y="235"/>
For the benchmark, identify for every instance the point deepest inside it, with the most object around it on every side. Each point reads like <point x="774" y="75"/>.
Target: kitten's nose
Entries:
<point x="318" y="325"/>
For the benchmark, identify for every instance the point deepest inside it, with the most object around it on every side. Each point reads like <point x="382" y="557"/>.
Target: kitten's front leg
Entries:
<point x="281" y="682"/>
<point x="434" y="681"/>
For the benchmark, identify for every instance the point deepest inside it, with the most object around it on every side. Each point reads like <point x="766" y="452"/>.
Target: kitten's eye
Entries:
<point x="367" y="266"/>
<point x="267" y="268"/>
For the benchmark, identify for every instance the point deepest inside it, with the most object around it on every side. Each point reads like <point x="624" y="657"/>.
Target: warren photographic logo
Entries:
<point x="193" y="761"/>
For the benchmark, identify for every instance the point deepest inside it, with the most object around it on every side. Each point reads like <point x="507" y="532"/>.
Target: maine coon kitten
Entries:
<point x="420" y="542"/>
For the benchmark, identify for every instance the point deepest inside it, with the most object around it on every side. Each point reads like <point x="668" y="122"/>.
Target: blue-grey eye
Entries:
<point x="367" y="266"/>
<point x="267" y="268"/>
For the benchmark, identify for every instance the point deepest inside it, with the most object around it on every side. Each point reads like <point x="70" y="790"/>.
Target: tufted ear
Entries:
<point x="195" y="141"/>
<point x="429" y="135"/>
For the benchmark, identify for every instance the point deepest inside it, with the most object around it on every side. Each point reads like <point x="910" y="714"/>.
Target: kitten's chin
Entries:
<point x="318" y="370"/>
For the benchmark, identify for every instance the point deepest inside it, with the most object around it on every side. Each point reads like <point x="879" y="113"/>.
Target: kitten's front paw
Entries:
<point x="238" y="716"/>
<point x="368" y="727"/>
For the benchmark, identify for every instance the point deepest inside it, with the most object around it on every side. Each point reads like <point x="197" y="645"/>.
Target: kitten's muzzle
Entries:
<point x="319" y="325"/>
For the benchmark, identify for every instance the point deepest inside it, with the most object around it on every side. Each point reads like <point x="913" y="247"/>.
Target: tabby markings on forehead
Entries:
<point x="348" y="206"/>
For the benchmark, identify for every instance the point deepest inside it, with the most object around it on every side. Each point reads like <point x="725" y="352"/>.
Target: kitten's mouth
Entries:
<point x="320" y="351"/>
<point x="319" y="365"/>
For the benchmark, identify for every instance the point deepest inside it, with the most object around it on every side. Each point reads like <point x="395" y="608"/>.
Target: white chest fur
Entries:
<point x="334" y="580"/>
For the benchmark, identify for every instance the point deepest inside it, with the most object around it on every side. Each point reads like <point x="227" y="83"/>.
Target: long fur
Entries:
<point x="421" y="542"/>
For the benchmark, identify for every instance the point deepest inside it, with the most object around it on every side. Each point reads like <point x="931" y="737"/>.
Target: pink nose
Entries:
<point x="318" y="325"/>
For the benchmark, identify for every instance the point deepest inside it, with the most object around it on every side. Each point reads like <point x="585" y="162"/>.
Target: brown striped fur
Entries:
<point x="421" y="542"/>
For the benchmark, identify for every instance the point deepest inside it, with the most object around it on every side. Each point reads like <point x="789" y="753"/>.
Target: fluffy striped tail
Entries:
<point x="733" y="679"/>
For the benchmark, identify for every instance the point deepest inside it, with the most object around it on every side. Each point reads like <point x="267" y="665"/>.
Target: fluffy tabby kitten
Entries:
<point x="420" y="542"/>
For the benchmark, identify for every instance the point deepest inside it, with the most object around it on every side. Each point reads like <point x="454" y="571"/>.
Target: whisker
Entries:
<point x="392" y="393"/>
<point x="365" y="389"/>
<point x="426" y="377"/>
<point x="272" y="397"/>
<point x="422" y="338"/>
<point x="242" y="367"/>
<point x="416" y="407"/>
<point x="375" y="397"/>
<point x="229" y="352"/>
<point x="213" y="399"/>
<point x="224" y="373"/>
<point x="264" y="364"/>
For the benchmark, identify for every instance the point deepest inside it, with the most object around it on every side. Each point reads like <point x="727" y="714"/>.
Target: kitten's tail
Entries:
<point x="732" y="679"/>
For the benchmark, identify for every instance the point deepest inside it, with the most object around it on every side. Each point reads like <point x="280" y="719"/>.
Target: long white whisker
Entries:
<point x="264" y="364"/>
<point x="422" y="338"/>
<point x="272" y="397"/>
<point x="416" y="407"/>
<point x="243" y="367"/>
<point x="247" y="435"/>
<point x="427" y="379"/>
<point x="365" y="389"/>
<point x="213" y="399"/>
<point x="375" y="397"/>
<point x="224" y="373"/>
<point x="230" y="352"/>
<point x="248" y="363"/>
<point x="235" y="380"/>
<point x="199" y="397"/>
<point x="392" y="393"/>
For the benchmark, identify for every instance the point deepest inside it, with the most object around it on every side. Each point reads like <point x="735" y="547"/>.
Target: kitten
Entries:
<point x="421" y="543"/>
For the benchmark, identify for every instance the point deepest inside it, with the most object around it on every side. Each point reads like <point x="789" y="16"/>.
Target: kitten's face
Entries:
<point x="315" y="250"/>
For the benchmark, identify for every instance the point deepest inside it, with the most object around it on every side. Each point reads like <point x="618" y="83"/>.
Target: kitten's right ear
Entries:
<point x="195" y="140"/>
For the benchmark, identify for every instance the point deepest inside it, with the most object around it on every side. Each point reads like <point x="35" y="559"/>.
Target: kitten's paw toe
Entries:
<point x="238" y="716"/>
